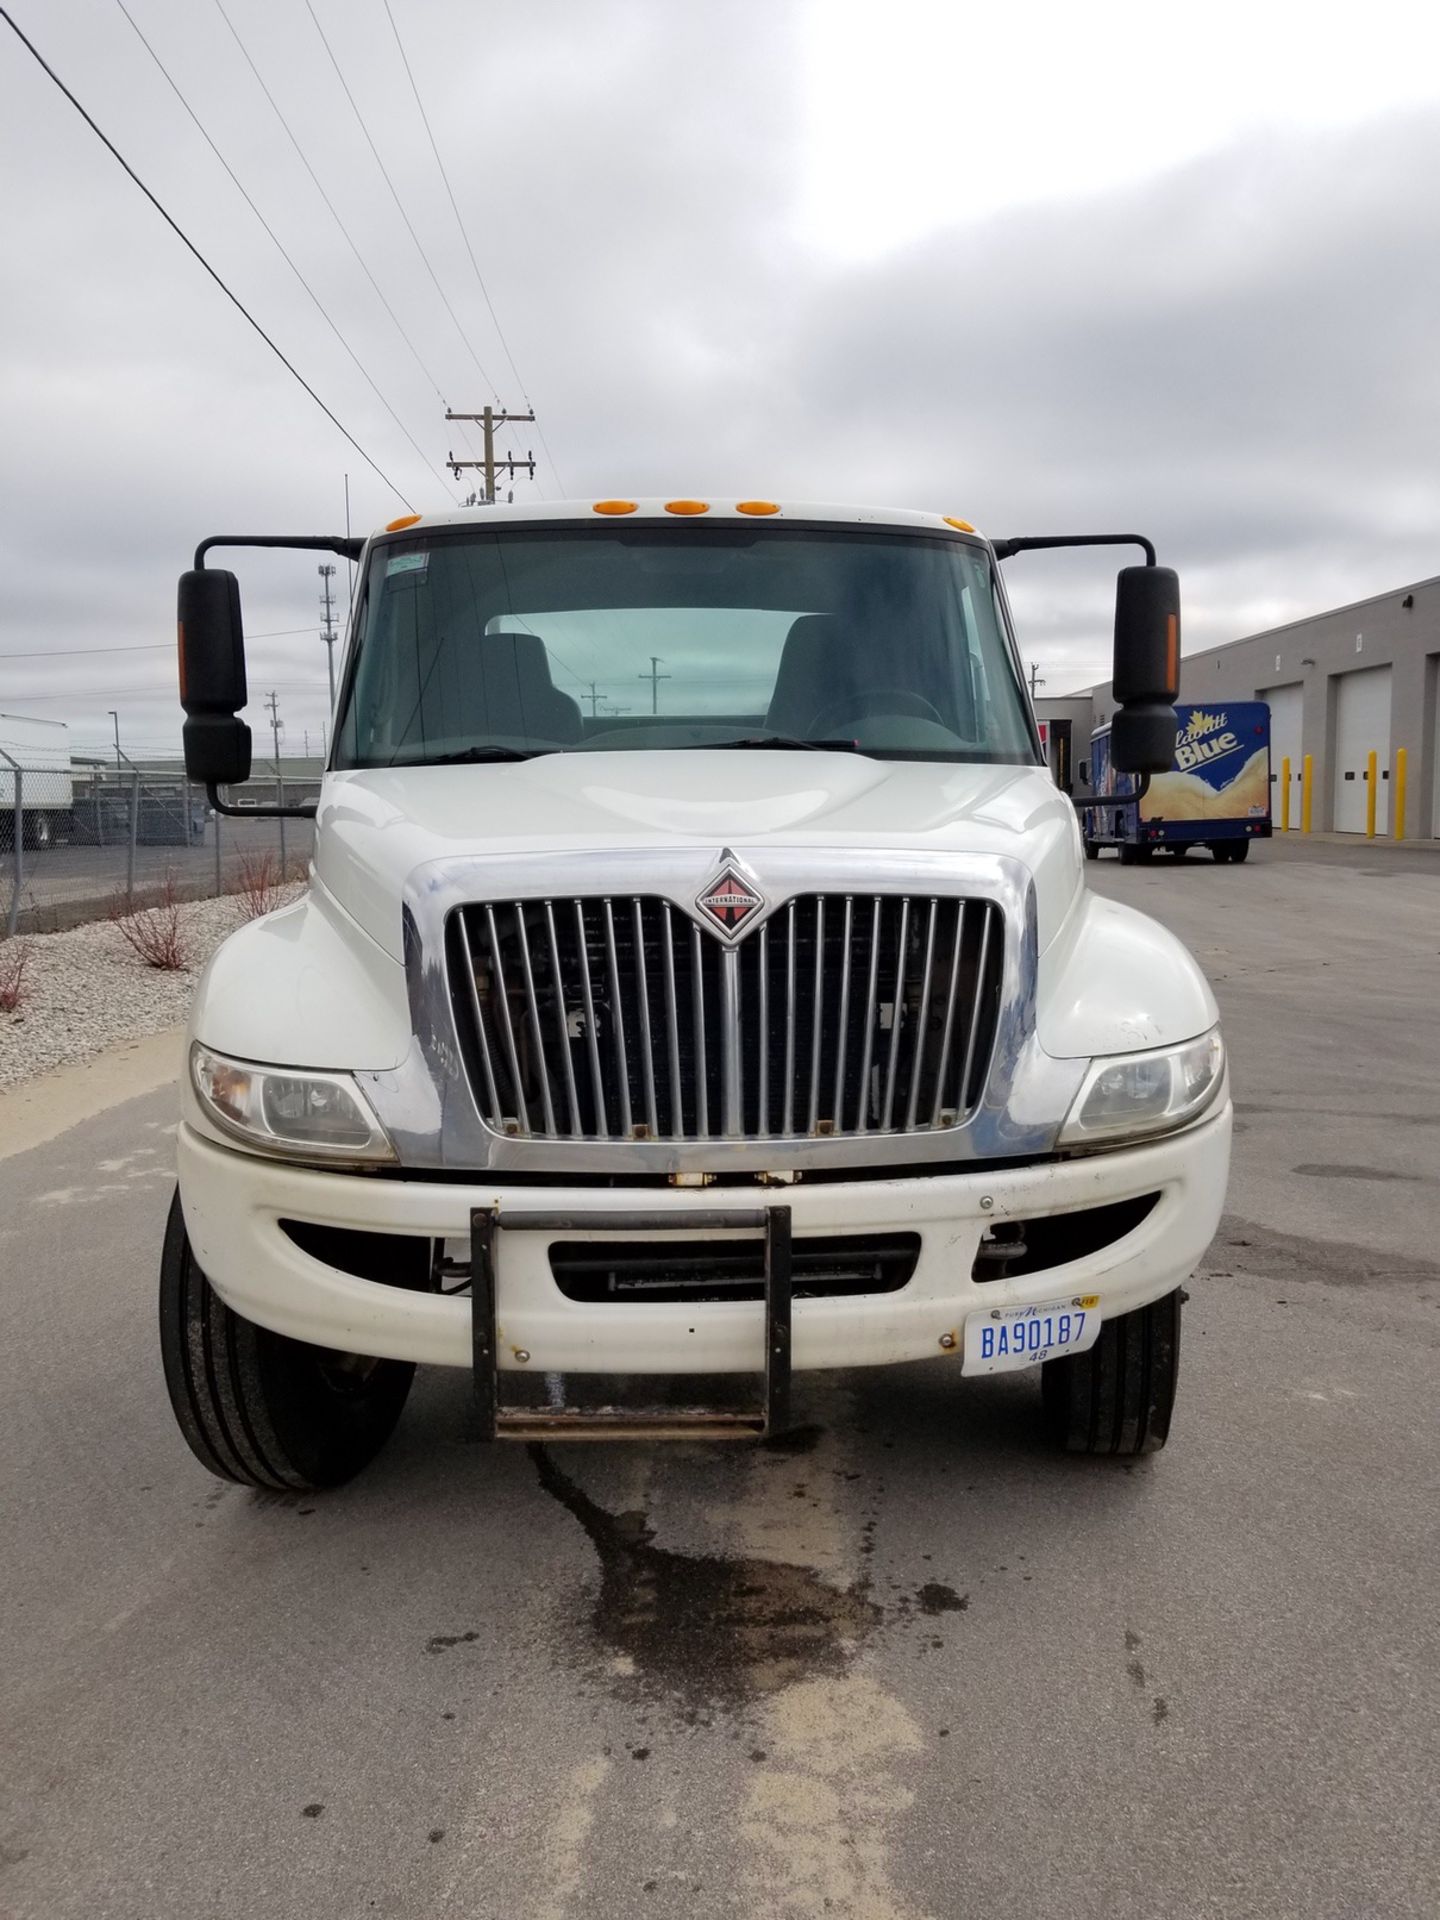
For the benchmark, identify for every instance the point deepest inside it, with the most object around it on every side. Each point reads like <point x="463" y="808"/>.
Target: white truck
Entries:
<point x="36" y="755"/>
<point x="697" y="978"/>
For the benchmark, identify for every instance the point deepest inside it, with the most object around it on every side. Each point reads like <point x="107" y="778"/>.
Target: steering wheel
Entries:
<point x="835" y="713"/>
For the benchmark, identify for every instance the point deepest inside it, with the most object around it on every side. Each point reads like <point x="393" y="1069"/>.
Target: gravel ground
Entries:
<point x="86" y="990"/>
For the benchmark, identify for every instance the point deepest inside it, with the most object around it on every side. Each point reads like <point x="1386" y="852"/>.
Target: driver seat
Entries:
<point x="819" y="665"/>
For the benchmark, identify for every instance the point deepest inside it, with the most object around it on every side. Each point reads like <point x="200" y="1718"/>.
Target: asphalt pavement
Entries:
<point x="914" y="1666"/>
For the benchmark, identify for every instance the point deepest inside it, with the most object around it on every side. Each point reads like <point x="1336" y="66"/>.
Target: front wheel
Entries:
<point x="1117" y="1398"/>
<point x="1092" y="849"/>
<point x="256" y="1406"/>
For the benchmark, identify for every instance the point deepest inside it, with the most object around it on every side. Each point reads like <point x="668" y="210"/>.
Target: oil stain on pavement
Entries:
<point x="709" y="1629"/>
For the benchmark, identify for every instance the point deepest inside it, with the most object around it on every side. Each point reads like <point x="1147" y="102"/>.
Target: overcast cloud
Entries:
<point x="1044" y="278"/>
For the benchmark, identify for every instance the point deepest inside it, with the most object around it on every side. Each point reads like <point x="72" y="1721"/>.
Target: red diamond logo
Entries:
<point x="730" y="901"/>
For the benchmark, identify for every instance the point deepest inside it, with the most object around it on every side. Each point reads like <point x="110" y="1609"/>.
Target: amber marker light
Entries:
<point x="613" y="506"/>
<point x="961" y="526"/>
<point x="756" y="506"/>
<point x="687" y="506"/>
<point x="399" y="526"/>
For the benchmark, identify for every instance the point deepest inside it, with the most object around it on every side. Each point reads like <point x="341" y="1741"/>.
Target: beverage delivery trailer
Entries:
<point x="1215" y="794"/>
<point x="770" y="1029"/>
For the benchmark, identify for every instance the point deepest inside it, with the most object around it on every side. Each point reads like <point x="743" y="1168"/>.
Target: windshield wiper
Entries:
<point x="475" y="755"/>
<point x="791" y="743"/>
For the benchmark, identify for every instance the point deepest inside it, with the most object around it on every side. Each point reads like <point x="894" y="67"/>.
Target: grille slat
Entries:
<point x="617" y="1023"/>
<point x="917" y="1063"/>
<point x="597" y="1019"/>
<point x="501" y="998"/>
<point x="592" y="1027"/>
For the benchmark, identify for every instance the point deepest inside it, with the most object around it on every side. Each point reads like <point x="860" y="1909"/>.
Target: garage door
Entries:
<point x="1285" y="707"/>
<point x="1362" y="726"/>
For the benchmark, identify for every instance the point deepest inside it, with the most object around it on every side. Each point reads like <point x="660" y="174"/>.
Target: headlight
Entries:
<point x="280" y="1110"/>
<point x="1139" y="1093"/>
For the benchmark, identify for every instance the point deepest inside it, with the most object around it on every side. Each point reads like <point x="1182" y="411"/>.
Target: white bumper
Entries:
<point x="234" y="1203"/>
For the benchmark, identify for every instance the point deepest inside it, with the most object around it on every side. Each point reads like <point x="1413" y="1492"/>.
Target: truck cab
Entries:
<point x="697" y="978"/>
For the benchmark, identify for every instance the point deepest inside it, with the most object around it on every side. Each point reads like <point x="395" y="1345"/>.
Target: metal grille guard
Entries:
<point x="497" y="1422"/>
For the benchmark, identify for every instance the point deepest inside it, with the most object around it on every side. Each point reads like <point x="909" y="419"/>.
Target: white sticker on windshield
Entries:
<point x="406" y="563"/>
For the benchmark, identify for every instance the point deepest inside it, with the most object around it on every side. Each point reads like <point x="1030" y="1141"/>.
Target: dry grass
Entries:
<point x="154" y="933"/>
<point x="263" y="885"/>
<point x="14" y="958"/>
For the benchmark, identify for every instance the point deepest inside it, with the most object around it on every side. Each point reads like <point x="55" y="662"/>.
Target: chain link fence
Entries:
<point x="77" y="846"/>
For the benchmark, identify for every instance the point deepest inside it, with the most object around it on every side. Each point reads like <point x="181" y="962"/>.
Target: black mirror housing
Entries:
<point x="1146" y="678"/>
<point x="217" y="749"/>
<point x="212" y="677"/>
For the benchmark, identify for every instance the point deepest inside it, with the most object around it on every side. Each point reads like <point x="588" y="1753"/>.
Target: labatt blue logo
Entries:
<point x="1206" y="737"/>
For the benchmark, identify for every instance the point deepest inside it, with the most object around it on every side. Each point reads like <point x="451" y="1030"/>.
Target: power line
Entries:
<point x="360" y="119"/>
<point x="465" y="237"/>
<point x="78" y="694"/>
<point x="333" y="211"/>
<point x="180" y="233"/>
<point x="150" y="646"/>
<point x="277" y="242"/>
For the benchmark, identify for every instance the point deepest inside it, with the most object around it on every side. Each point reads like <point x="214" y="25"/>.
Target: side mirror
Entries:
<point x="1147" y="669"/>
<point x="1084" y="773"/>
<point x="212" y="678"/>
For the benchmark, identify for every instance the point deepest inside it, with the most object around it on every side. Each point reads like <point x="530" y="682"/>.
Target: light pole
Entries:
<point x="116" y="718"/>
<point x="327" y="603"/>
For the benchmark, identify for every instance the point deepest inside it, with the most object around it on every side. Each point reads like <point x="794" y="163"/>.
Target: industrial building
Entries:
<point x="1364" y="678"/>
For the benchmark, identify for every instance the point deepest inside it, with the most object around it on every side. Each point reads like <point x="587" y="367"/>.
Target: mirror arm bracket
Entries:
<point x="348" y="549"/>
<point x="306" y="811"/>
<point x="1103" y="799"/>
<point x="1027" y="543"/>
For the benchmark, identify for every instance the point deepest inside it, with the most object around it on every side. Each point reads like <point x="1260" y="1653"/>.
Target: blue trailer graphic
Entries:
<point x="1216" y="795"/>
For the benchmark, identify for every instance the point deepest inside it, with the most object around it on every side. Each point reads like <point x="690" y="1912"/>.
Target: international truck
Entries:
<point x="1215" y="794"/>
<point x="35" y="755"/>
<point x="696" y="986"/>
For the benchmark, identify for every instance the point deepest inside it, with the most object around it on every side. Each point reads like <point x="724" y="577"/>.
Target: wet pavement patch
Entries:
<point x="706" y="1628"/>
<point x="933" y="1598"/>
<point x="441" y="1642"/>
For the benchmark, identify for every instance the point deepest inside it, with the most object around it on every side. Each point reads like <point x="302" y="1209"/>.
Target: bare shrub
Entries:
<point x="262" y="884"/>
<point x="154" y="933"/>
<point x="14" y="958"/>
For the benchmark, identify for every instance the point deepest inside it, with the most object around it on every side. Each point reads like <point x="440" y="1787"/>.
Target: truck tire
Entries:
<point x="1133" y="852"/>
<point x="258" y="1407"/>
<point x="1092" y="849"/>
<point x="1236" y="851"/>
<point x="1117" y="1398"/>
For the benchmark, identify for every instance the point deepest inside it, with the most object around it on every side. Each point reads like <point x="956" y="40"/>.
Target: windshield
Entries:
<point x="608" y="639"/>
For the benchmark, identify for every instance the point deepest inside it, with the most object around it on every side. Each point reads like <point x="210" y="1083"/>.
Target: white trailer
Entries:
<point x="35" y="755"/>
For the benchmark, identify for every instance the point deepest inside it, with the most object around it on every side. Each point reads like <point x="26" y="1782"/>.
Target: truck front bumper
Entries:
<point x="235" y="1204"/>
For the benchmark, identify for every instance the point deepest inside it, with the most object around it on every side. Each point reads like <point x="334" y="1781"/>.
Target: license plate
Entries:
<point x="1001" y="1339"/>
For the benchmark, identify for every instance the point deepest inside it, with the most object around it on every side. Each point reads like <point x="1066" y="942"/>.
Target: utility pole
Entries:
<point x="116" y="718"/>
<point x="1037" y="679"/>
<point x="598" y="699"/>
<point x="273" y="703"/>
<point x="654" y="676"/>
<point x="327" y="605"/>
<point x="490" y="419"/>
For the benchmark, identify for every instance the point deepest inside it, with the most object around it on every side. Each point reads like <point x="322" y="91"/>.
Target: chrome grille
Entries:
<point x="621" y="1019"/>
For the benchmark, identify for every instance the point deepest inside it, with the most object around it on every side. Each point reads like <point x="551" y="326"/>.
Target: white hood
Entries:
<point x="375" y="827"/>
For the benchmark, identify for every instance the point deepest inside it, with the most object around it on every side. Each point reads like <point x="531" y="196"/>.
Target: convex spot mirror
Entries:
<point x="1146" y="677"/>
<point x="212" y="677"/>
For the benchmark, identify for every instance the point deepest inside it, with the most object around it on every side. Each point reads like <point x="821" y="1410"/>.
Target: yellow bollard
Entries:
<point x="1285" y="794"/>
<point x="1307" y="768"/>
<point x="1400" y="793"/>
<point x="1372" y="787"/>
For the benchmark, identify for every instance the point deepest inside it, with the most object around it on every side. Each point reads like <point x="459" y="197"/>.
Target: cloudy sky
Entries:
<point x="1045" y="267"/>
